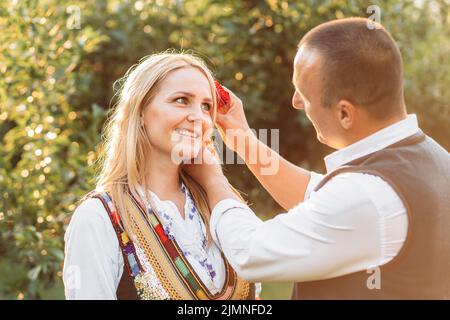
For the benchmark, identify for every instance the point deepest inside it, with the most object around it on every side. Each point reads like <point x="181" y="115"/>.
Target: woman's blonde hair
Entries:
<point x="125" y="144"/>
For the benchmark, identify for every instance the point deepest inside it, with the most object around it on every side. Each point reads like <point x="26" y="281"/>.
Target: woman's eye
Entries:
<point x="181" y="100"/>
<point x="206" y="107"/>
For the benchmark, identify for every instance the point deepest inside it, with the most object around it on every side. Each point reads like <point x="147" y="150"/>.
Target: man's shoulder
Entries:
<point x="356" y="188"/>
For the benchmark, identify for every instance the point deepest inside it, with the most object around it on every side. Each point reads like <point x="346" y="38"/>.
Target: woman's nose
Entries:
<point x="196" y="114"/>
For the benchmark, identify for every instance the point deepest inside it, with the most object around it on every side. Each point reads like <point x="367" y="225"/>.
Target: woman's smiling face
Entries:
<point x="179" y="117"/>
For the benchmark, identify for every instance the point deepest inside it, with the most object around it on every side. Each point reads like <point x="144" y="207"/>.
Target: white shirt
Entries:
<point x="93" y="263"/>
<point x="355" y="222"/>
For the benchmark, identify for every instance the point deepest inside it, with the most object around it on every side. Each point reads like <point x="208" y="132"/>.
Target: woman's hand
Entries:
<point x="208" y="173"/>
<point x="205" y="168"/>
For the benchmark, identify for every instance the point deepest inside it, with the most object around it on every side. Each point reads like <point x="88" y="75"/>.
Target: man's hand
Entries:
<point x="233" y="124"/>
<point x="288" y="184"/>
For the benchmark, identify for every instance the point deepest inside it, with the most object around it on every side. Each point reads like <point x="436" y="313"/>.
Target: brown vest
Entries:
<point x="126" y="289"/>
<point x="418" y="169"/>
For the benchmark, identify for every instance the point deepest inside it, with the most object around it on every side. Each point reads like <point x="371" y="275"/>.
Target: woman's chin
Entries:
<point x="185" y="155"/>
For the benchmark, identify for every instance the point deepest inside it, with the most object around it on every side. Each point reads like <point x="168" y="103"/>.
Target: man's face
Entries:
<point x="308" y="95"/>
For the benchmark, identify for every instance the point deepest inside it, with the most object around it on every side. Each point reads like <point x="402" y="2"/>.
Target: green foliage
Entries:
<point x="48" y="140"/>
<point x="56" y="87"/>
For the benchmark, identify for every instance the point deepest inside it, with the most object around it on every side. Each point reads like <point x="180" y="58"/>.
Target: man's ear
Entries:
<point x="346" y="114"/>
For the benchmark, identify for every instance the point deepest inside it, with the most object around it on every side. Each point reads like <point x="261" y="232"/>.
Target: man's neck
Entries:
<point x="370" y="126"/>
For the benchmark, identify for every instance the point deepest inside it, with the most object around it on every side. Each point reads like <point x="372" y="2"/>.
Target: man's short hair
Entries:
<point x="360" y="64"/>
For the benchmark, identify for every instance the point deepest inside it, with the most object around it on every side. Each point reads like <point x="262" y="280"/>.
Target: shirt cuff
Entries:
<point x="313" y="181"/>
<point x="218" y="211"/>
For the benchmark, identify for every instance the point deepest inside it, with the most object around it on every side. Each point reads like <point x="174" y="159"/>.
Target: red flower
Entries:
<point x="223" y="98"/>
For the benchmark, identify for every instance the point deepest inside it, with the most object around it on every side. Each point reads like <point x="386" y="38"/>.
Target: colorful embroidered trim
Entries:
<point x="195" y="284"/>
<point x="132" y="262"/>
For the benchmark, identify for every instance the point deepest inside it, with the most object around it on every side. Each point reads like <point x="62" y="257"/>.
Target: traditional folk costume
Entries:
<point x="167" y="258"/>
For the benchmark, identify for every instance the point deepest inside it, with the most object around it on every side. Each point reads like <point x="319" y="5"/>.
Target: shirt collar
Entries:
<point x="155" y="197"/>
<point x="375" y="142"/>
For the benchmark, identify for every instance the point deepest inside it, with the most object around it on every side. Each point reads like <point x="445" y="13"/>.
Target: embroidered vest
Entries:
<point x="172" y="276"/>
<point x="418" y="169"/>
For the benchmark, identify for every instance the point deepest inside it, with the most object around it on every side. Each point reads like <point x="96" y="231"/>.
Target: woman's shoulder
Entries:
<point x="90" y="212"/>
<point x="90" y="232"/>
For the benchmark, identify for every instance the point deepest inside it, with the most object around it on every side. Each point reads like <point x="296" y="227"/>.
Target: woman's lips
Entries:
<point x="188" y="133"/>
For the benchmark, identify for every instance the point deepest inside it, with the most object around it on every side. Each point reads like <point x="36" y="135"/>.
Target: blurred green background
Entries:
<point x="59" y="59"/>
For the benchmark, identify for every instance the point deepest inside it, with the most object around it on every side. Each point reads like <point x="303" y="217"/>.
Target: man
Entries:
<point x="376" y="226"/>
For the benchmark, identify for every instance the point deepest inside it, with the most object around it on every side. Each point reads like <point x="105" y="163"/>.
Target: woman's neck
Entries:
<point x="163" y="177"/>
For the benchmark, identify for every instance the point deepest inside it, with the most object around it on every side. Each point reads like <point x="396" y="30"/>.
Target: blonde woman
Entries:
<point x="143" y="233"/>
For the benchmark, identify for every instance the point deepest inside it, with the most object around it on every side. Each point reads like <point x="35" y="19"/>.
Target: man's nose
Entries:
<point x="296" y="102"/>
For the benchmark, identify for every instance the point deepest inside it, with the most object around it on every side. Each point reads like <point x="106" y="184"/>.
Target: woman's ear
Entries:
<point x="346" y="113"/>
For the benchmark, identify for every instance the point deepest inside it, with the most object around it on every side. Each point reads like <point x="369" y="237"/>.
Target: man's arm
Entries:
<point x="288" y="183"/>
<point x="321" y="238"/>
